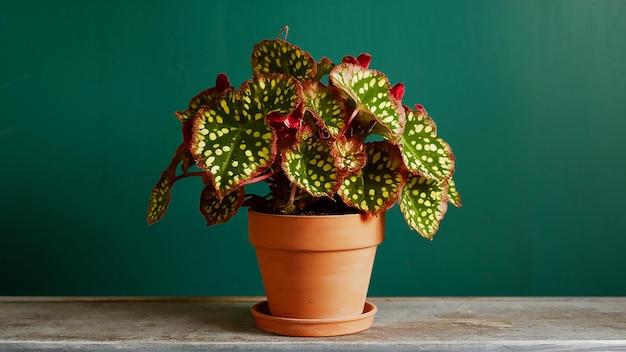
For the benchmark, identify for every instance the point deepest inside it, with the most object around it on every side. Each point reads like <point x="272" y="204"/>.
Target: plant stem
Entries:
<point x="285" y="30"/>
<point x="349" y="123"/>
<point x="188" y="174"/>
<point x="262" y="177"/>
<point x="292" y="196"/>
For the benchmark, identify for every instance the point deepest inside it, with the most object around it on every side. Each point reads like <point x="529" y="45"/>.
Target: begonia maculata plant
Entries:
<point x="347" y="146"/>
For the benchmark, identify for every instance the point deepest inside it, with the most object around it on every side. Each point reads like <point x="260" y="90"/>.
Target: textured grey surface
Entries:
<point x="418" y="324"/>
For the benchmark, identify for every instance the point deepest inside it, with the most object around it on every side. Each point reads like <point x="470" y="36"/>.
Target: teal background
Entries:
<point x="530" y="94"/>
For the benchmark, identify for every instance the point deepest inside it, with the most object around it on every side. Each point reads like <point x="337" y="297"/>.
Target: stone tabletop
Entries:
<point x="226" y="324"/>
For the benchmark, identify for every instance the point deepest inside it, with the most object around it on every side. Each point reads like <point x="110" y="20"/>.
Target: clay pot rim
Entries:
<point x="316" y="233"/>
<point x="250" y="210"/>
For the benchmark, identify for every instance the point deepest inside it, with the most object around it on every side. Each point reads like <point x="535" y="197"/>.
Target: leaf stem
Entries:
<point x="188" y="174"/>
<point x="262" y="177"/>
<point x="285" y="30"/>
<point x="354" y="113"/>
<point x="292" y="196"/>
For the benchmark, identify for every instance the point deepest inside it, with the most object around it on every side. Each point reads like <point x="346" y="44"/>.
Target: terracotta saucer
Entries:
<point x="312" y="327"/>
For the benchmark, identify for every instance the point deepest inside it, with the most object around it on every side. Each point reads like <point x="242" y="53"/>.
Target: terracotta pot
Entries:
<point x="315" y="267"/>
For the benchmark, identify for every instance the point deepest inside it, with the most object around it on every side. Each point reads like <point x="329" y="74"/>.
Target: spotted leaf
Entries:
<point x="310" y="165"/>
<point x="160" y="197"/>
<point x="265" y="94"/>
<point x="232" y="140"/>
<point x="371" y="93"/>
<point x="216" y="210"/>
<point x="324" y="66"/>
<point x="454" y="197"/>
<point x="278" y="56"/>
<point x="326" y="105"/>
<point x="376" y="187"/>
<point x="423" y="152"/>
<point x="206" y="97"/>
<point x="349" y="155"/>
<point x="423" y="204"/>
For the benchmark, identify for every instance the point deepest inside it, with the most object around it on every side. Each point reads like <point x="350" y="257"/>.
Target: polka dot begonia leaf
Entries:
<point x="325" y="104"/>
<point x="350" y="155"/>
<point x="278" y="56"/>
<point x="310" y="165"/>
<point x="232" y="140"/>
<point x="423" y="152"/>
<point x="160" y="197"/>
<point x="376" y="187"/>
<point x="423" y="204"/>
<point x="216" y="210"/>
<point x="324" y="66"/>
<point x="370" y="90"/>
<point x="265" y="94"/>
<point x="454" y="197"/>
<point x="205" y="97"/>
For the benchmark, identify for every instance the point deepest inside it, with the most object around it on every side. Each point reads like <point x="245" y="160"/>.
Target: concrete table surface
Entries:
<point x="226" y="324"/>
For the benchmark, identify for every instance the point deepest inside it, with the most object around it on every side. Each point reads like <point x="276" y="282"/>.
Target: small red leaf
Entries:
<point x="350" y="59"/>
<point x="222" y="83"/>
<point x="292" y="120"/>
<point x="275" y="117"/>
<point x="364" y="60"/>
<point x="397" y="91"/>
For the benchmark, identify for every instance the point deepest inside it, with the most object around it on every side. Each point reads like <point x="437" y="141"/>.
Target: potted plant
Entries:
<point x="336" y="147"/>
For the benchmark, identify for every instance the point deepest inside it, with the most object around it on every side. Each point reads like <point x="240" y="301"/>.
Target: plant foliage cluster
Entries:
<point x="350" y="145"/>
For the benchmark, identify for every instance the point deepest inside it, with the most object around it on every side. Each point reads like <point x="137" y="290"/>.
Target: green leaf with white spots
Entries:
<point x="324" y="66"/>
<point x="310" y="165"/>
<point x="423" y="152"/>
<point x="278" y="56"/>
<point x="376" y="187"/>
<point x="275" y="93"/>
<point x="232" y="140"/>
<point x="423" y="204"/>
<point x="216" y="210"/>
<point x="205" y="97"/>
<point x="160" y="197"/>
<point x="454" y="197"/>
<point x="326" y="105"/>
<point x="370" y="90"/>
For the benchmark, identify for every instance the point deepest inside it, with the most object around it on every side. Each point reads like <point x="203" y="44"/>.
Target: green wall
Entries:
<point x="530" y="94"/>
